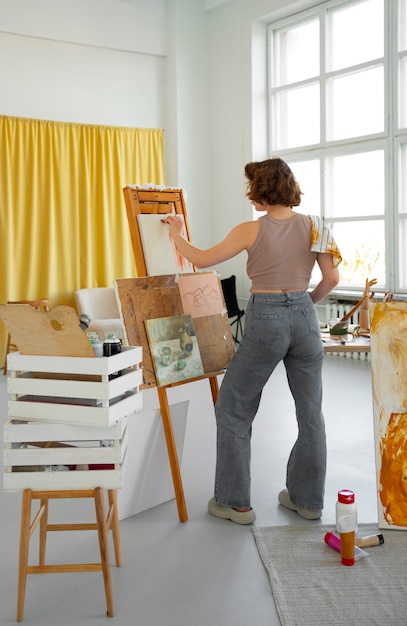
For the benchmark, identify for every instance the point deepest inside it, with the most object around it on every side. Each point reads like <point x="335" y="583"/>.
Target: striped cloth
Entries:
<point x="322" y="239"/>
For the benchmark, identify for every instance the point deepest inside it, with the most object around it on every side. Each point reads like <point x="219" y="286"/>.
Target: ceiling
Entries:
<point x="207" y="5"/>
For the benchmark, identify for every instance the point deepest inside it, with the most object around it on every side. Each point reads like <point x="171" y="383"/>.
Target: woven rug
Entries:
<point x="311" y="587"/>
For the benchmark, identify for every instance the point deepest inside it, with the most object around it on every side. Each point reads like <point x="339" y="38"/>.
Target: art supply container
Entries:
<point x="346" y="524"/>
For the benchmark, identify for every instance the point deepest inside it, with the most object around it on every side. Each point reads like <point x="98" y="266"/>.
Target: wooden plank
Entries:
<point x="151" y="195"/>
<point x="62" y="388"/>
<point x="71" y="365"/>
<point x="78" y="455"/>
<point x="215" y="341"/>
<point x="147" y="297"/>
<point x="75" y="413"/>
<point x="157" y="209"/>
<point x="43" y="431"/>
<point x="107" y="479"/>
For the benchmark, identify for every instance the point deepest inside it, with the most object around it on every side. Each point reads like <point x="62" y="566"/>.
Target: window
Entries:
<point x="338" y="115"/>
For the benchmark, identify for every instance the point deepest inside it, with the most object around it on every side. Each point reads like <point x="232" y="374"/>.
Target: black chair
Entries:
<point x="232" y="305"/>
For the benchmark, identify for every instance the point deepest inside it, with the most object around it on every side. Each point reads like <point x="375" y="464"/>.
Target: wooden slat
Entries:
<point x="71" y="365"/>
<point x="62" y="388"/>
<point x="62" y="456"/>
<point x="108" y="479"/>
<point x="43" y="431"/>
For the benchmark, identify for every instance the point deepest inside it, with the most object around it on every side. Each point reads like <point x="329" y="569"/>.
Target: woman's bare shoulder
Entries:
<point x="248" y="232"/>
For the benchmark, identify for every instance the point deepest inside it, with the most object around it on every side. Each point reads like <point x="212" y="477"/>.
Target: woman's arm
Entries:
<point x="240" y="238"/>
<point x="330" y="277"/>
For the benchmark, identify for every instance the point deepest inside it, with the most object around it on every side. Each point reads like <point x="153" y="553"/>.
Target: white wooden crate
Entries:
<point x="75" y="390"/>
<point x="30" y="447"/>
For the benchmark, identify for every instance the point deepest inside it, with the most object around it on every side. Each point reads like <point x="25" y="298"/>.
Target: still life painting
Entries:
<point x="174" y="349"/>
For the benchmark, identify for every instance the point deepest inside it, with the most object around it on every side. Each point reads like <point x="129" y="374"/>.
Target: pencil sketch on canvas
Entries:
<point x="160" y="254"/>
<point x="201" y="295"/>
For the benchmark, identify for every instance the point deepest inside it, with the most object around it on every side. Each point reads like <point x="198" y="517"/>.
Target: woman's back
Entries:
<point x="280" y="258"/>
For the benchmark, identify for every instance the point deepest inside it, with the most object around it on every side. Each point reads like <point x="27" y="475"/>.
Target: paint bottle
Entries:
<point x="334" y="542"/>
<point x="346" y="524"/>
<point x="96" y="344"/>
<point x="111" y="346"/>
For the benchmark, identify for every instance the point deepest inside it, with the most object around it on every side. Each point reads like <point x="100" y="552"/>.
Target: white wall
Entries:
<point x="135" y="25"/>
<point x="116" y="62"/>
<point x="186" y="66"/>
<point x="237" y="39"/>
<point x="82" y="61"/>
<point x="78" y="83"/>
<point x="187" y="130"/>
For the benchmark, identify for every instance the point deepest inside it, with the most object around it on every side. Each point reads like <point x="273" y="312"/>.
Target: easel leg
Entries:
<point x="172" y="454"/>
<point x="114" y="524"/>
<point x="24" y="548"/>
<point x="213" y="381"/>
<point x="104" y="548"/>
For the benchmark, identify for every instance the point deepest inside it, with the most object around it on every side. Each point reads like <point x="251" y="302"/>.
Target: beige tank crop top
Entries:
<point x="280" y="257"/>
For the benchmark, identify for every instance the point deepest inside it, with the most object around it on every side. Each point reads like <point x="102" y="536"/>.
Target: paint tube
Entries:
<point x="334" y="542"/>
<point x="370" y="540"/>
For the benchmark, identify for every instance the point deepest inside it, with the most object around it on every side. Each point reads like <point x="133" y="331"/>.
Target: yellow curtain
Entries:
<point x="63" y="222"/>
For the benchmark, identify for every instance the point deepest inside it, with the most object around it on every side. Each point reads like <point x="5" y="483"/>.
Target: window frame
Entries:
<point x="392" y="140"/>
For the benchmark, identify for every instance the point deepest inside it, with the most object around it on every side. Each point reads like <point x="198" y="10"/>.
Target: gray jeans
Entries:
<point x="278" y="327"/>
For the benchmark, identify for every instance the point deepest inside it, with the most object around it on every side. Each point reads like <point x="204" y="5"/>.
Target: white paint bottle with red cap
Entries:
<point x="347" y="524"/>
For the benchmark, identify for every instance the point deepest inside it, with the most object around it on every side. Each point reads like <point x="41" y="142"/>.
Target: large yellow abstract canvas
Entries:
<point x="388" y="327"/>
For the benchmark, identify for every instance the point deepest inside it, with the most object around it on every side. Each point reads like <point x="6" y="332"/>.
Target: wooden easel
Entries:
<point x="103" y="525"/>
<point x="164" y="202"/>
<point x="152" y="202"/>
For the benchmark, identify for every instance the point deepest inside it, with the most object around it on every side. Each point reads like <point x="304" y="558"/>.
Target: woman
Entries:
<point x="281" y="325"/>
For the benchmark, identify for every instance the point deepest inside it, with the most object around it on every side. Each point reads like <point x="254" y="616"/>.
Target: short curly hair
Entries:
<point x="272" y="182"/>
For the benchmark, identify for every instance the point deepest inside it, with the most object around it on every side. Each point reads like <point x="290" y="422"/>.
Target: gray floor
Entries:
<point x="205" y="571"/>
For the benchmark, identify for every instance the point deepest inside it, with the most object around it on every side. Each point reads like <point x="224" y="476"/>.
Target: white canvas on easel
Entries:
<point x="160" y="254"/>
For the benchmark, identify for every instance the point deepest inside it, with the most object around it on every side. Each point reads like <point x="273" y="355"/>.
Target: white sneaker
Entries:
<point x="227" y="512"/>
<point x="285" y="500"/>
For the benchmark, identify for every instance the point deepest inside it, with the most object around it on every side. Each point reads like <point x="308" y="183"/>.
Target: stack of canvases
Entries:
<point x="67" y="426"/>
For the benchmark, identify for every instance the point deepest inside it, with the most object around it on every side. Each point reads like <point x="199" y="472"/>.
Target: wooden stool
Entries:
<point x="40" y="305"/>
<point x="103" y="525"/>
